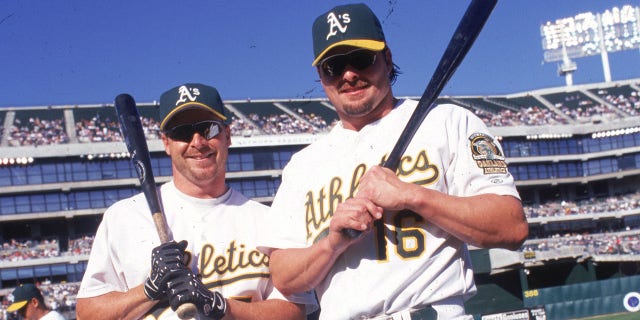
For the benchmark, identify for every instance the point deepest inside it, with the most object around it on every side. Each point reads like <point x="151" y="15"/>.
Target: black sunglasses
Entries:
<point x="360" y="59"/>
<point x="208" y="129"/>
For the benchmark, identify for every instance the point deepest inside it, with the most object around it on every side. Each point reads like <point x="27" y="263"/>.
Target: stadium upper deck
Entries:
<point x="604" y="106"/>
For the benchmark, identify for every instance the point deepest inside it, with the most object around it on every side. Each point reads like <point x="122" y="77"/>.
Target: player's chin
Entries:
<point x="204" y="174"/>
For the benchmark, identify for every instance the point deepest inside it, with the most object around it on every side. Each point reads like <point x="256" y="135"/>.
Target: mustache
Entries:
<point x="358" y="84"/>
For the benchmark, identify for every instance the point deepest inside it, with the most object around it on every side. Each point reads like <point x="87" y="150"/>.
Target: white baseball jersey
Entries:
<point x="222" y="236"/>
<point x="53" y="315"/>
<point x="407" y="262"/>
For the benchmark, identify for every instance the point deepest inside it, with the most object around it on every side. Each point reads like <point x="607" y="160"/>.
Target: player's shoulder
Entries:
<point x="406" y="107"/>
<point x="455" y="109"/>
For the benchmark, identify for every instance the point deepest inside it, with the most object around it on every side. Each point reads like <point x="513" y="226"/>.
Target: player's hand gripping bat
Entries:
<point x="133" y="134"/>
<point x="466" y="33"/>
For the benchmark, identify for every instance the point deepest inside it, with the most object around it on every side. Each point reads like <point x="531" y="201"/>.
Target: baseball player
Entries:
<point x="452" y="188"/>
<point x="28" y="302"/>
<point x="213" y="262"/>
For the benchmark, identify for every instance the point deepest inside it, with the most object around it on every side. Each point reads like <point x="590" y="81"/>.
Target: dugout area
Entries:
<point x="566" y="288"/>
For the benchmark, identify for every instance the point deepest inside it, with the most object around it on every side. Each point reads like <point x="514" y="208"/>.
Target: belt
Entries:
<point x="447" y="308"/>
<point x="425" y="313"/>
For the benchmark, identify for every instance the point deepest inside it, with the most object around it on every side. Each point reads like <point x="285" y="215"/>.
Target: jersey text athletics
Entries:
<point x="321" y="204"/>
<point x="235" y="259"/>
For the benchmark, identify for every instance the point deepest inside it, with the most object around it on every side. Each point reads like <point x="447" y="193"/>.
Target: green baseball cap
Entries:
<point x="191" y="96"/>
<point x="22" y="295"/>
<point x="346" y="25"/>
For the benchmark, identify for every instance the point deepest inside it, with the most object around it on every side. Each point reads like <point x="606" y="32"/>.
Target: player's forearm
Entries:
<point x="132" y="304"/>
<point x="485" y="221"/>
<point x="274" y="309"/>
<point x="299" y="270"/>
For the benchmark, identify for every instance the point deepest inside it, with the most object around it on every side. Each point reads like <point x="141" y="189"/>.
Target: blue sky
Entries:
<point x="87" y="52"/>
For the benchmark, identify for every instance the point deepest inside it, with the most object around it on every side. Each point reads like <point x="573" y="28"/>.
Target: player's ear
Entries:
<point x="227" y="131"/>
<point x="165" y="142"/>
<point x="388" y="58"/>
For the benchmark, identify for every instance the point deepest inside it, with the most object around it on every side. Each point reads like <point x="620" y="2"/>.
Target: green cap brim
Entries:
<point x="373" y="45"/>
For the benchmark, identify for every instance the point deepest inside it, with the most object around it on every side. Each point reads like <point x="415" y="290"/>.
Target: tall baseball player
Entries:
<point x="452" y="189"/>
<point x="213" y="262"/>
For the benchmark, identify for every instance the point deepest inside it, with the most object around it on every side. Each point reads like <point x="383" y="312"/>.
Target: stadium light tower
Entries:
<point x="567" y="68"/>
<point x="588" y="34"/>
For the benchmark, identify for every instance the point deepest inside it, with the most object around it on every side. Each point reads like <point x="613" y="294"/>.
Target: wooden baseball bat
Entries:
<point x="133" y="134"/>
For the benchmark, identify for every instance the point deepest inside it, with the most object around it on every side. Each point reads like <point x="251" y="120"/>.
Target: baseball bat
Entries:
<point x="133" y="134"/>
<point x="468" y="29"/>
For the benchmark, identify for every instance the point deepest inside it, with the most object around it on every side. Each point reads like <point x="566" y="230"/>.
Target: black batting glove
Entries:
<point x="166" y="259"/>
<point x="188" y="288"/>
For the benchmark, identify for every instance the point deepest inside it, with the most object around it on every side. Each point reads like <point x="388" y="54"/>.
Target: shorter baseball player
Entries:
<point x="452" y="188"/>
<point x="213" y="262"/>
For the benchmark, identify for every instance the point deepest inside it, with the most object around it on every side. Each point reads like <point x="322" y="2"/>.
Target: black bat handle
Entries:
<point x="134" y="138"/>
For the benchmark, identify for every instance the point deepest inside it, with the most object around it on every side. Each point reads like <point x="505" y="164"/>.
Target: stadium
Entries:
<point x="574" y="152"/>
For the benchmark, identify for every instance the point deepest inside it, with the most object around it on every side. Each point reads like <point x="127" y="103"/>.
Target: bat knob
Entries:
<point x="187" y="311"/>
<point x="351" y="233"/>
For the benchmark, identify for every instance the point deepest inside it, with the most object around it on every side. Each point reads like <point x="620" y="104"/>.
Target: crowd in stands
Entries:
<point x="45" y="132"/>
<point x="60" y="296"/>
<point x="601" y="242"/>
<point x="240" y="127"/>
<point x="588" y="110"/>
<point x="151" y="128"/>
<point x="108" y="130"/>
<point x="529" y="116"/>
<point x="80" y="246"/>
<point x="628" y="104"/>
<point x="37" y="132"/>
<point x="97" y="129"/>
<point x="564" y="208"/>
<point x="31" y="249"/>
<point x="606" y="243"/>
<point x="278" y="124"/>
<point x="281" y="124"/>
<point x="316" y="120"/>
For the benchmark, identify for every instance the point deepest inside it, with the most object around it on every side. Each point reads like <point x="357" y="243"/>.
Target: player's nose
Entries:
<point x="198" y="140"/>
<point x="350" y="74"/>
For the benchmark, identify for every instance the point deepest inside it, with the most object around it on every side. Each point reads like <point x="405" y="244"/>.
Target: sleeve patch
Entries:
<point x="486" y="153"/>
